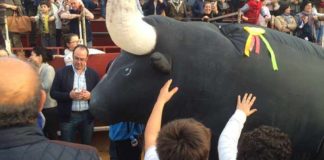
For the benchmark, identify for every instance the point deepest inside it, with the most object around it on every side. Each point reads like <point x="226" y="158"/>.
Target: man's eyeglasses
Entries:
<point x="78" y="41"/>
<point x="80" y="59"/>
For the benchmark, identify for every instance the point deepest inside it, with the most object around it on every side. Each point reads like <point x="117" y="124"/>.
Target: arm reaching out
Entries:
<point x="228" y="140"/>
<point x="153" y="125"/>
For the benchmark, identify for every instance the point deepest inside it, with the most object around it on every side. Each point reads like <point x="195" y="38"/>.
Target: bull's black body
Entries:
<point x="210" y="70"/>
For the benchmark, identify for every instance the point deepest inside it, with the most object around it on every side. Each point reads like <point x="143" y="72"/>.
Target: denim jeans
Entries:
<point x="103" y="8"/>
<point x="79" y="121"/>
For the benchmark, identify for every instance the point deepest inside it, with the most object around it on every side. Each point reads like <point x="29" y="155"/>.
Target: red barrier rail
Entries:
<point x="59" y="50"/>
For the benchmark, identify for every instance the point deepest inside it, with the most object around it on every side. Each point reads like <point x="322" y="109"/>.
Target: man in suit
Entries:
<point x="21" y="100"/>
<point x="71" y="89"/>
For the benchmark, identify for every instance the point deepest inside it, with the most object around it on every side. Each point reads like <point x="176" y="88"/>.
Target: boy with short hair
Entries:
<point x="263" y="143"/>
<point x="46" y="24"/>
<point x="178" y="140"/>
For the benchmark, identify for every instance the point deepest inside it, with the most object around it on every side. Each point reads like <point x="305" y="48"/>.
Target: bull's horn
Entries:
<point x="127" y="28"/>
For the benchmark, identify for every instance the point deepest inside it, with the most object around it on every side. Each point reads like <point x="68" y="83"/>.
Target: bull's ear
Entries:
<point x="161" y="62"/>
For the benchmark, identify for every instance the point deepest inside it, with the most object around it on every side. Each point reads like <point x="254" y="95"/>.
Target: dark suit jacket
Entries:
<point x="28" y="142"/>
<point x="62" y="86"/>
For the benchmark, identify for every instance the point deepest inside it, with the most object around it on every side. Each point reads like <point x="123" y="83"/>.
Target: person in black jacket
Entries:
<point x="154" y="7"/>
<point x="21" y="100"/>
<point x="71" y="89"/>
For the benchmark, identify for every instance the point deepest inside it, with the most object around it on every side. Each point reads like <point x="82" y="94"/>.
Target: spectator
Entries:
<point x="176" y="9"/>
<point x="251" y="10"/>
<point x="215" y="11"/>
<point x="285" y="22"/>
<point x="46" y="24"/>
<point x="31" y="10"/>
<point x="295" y="6"/>
<point x="103" y="4"/>
<point x="22" y="99"/>
<point x="58" y="23"/>
<point x="265" y="16"/>
<point x="74" y="14"/>
<point x="179" y="139"/>
<point x="223" y="7"/>
<point x="266" y="143"/>
<point x="306" y="22"/>
<point x="65" y="16"/>
<point x="197" y="8"/>
<point x="319" y="11"/>
<point x="71" y="40"/>
<point x="11" y="6"/>
<point x="71" y="89"/>
<point x="154" y="7"/>
<point x="208" y="12"/>
<point x="275" y="7"/>
<point x="40" y="57"/>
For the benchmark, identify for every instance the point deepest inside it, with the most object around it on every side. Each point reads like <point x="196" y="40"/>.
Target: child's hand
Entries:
<point x="33" y="19"/>
<point x="52" y="18"/>
<point x="165" y="95"/>
<point x="246" y="104"/>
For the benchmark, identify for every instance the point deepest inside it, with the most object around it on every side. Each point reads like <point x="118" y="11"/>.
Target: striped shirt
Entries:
<point x="79" y="84"/>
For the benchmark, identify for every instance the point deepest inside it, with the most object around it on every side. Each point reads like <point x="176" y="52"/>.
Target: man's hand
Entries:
<point x="165" y="95"/>
<point x="246" y="104"/>
<point x="86" y="95"/>
<point x="75" y="95"/>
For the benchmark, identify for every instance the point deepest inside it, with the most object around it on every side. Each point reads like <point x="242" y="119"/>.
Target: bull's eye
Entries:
<point x="127" y="71"/>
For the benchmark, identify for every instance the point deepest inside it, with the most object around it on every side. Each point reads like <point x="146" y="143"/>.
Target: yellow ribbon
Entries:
<point x="253" y="31"/>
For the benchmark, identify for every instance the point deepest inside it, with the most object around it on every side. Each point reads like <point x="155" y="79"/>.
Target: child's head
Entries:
<point x="184" y="139"/>
<point x="264" y="143"/>
<point x="45" y="7"/>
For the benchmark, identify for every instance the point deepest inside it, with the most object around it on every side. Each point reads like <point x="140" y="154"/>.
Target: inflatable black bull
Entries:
<point x="206" y="62"/>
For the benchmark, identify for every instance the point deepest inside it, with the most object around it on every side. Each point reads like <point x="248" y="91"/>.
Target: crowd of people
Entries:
<point x="303" y="19"/>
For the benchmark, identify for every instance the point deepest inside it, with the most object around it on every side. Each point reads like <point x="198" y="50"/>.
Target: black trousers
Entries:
<point x="123" y="150"/>
<point x="52" y="124"/>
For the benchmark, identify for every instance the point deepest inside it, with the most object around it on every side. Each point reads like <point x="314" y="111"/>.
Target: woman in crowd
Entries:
<point x="208" y="12"/>
<point x="40" y="57"/>
<point x="306" y="22"/>
<point x="285" y="22"/>
<point x="10" y="7"/>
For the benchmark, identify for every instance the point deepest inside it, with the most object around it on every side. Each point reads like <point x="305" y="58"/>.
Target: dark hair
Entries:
<point x="304" y="3"/>
<point x="81" y="46"/>
<point x="264" y="143"/>
<point x="41" y="51"/>
<point x="47" y="3"/>
<point x="283" y="7"/>
<point x="184" y="139"/>
<point x="67" y="38"/>
<point x="22" y="114"/>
